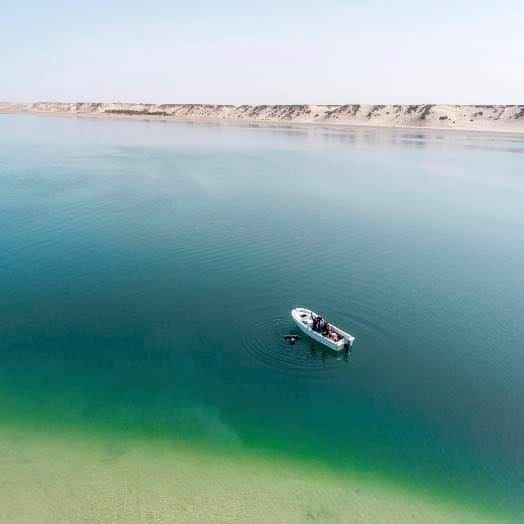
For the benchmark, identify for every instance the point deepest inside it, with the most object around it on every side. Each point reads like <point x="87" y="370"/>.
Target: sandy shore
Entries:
<point x="489" y="118"/>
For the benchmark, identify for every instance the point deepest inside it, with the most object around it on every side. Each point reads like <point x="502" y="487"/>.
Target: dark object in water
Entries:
<point x="291" y="339"/>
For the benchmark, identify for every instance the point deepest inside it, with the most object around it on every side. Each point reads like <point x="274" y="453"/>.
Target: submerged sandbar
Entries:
<point x="52" y="477"/>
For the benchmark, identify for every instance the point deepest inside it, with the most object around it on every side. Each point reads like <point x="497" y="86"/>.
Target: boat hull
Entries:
<point x="303" y="318"/>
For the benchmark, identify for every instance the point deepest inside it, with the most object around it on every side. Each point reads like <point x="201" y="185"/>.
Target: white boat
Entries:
<point x="320" y="330"/>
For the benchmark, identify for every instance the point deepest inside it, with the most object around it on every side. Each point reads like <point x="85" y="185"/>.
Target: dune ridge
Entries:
<point x="493" y="118"/>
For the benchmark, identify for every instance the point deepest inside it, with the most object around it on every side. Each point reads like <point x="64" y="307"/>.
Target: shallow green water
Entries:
<point x="147" y="273"/>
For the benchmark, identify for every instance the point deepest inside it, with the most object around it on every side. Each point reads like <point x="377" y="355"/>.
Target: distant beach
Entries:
<point x="490" y="118"/>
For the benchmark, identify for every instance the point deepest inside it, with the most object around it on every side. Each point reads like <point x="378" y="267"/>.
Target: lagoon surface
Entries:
<point x="147" y="271"/>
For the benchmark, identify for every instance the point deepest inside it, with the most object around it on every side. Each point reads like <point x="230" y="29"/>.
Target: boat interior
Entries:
<point x="321" y="326"/>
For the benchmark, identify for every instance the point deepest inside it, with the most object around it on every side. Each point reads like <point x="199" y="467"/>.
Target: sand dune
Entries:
<point x="493" y="118"/>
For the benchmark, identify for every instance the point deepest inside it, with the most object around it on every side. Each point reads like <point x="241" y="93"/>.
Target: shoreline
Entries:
<point x="478" y="119"/>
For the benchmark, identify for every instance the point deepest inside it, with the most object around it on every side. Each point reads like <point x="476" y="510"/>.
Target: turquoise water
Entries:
<point x="147" y="272"/>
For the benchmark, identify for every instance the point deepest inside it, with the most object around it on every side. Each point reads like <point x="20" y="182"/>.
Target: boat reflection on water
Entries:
<point x="319" y="352"/>
<point x="314" y="351"/>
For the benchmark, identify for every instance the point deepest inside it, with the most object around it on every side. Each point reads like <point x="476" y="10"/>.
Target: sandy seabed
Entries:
<point x="50" y="478"/>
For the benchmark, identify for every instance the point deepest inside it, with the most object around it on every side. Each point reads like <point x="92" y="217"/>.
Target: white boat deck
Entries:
<point x="332" y="337"/>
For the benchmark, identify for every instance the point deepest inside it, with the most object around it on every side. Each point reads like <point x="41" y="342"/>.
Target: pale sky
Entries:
<point x="234" y="52"/>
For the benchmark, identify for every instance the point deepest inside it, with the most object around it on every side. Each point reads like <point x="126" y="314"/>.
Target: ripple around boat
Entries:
<point x="147" y="271"/>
